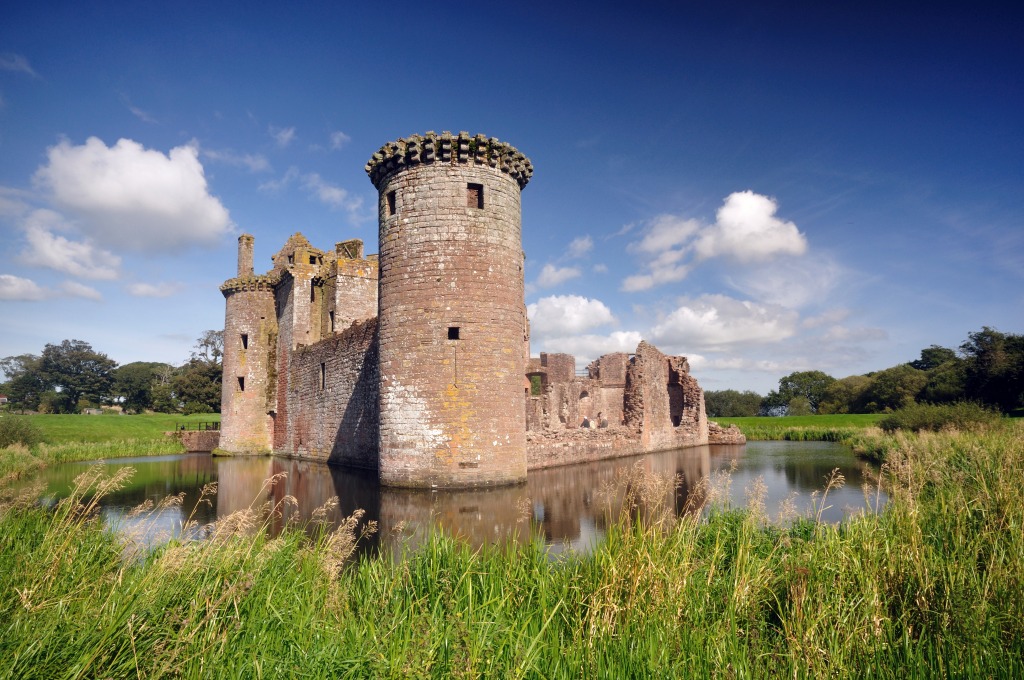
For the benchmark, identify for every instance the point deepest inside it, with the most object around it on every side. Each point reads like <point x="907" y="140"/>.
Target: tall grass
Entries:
<point x="934" y="585"/>
<point x="18" y="460"/>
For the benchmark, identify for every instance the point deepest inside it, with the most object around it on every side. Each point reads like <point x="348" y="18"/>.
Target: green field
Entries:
<point x="837" y="427"/>
<point x="81" y="428"/>
<point x="931" y="587"/>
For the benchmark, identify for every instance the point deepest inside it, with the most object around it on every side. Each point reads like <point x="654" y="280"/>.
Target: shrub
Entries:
<point x="936" y="417"/>
<point x="196" y="407"/>
<point x="18" y="430"/>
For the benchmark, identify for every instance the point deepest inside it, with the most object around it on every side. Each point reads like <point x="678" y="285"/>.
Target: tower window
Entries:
<point x="323" y="376"/>
<point x="312" y="293"/>
<point x="453" y="332"/>
<point x="475" y="196"/>
<point x="291" y="259"/>
<point x="245" y="341"/>
<point x="241" y="383"/>
<point x="312" y="259"/>
<point x="331" y="315"/>
<point x="391" y="203"/>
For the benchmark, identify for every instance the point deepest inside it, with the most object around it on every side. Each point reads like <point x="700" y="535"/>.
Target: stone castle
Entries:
<point x="415" y="362"/>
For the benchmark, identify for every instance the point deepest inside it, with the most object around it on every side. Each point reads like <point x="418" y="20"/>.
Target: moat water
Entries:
<point x="568" y="506"/>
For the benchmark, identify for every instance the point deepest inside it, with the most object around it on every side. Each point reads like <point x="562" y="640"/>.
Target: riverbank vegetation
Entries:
<point x="933" y="585"/>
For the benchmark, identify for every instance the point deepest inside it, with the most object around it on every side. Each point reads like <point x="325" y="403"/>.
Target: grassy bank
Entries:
<point x="932" y="586"/>
<point x="827" y="428"/>
<point x="68" y="438"/>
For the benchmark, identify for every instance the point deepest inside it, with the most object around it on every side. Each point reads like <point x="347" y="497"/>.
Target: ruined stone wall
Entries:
<point x="559" y="367"/>
<point x="332" y="410"/>
<point x="356" y="295"/>
<point x="663" y="401"/>
<point x="247" y="387"/>
<point x="285" y="324"/>
<point x="451" y="311"/>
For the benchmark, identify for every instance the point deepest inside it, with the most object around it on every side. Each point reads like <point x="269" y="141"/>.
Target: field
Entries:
<point x="932" y="586"/>
<point x="58" y="429"/>
<point x="833" y="428"/>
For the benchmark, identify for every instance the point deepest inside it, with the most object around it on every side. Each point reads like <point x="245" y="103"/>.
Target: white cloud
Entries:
<point x="75" y="289"/>
<point x="282" y="136"/>
<point x="16" y="63"/>
<point x="748" y="230"/>
<point x="830" y="316"/>
<point x="567" y="314"/>
<point x="21" y="290"/>
<point x="600" y="268"/>
<point x="126" y="196"/>
<point x="154" y="290"/>
<point x="275" y="185"/>
<point x="136" y="111"/>
<point x="580" y="246"/>
<point x="551" y="276"/>
<point x="588" y="347"/>
<point x="249" y="161"/>
<point x="716" y="322"/>
<point x="76" y="258"/>
<point x="789" y="281"/>
<point x="332" y="195"/>
<point x="339" y="139"/>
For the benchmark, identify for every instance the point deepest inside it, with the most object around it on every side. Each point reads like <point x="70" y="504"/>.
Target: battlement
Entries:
<point x="446" y="148"/>
<point x="251" y="282"/>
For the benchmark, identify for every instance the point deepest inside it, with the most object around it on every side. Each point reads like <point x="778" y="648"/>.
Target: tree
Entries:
<point x="845" y="395"/>
<point x="77" y="372"/>
<point x="994" y="371"/>
<point x="946" y="383"/>
<point x="133" y="384"/>
<point x="808" y="384"/>
<point x="731" y="403"/>
<point x="209" y="348"/>
<point x="197" y="383"/>
<point x="933" y="356"/>
<point x="894" y="388"/>
<point x="24" y="386"/>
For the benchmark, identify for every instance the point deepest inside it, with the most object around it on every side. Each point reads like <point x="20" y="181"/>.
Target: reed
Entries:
<point x="933" y="585"/>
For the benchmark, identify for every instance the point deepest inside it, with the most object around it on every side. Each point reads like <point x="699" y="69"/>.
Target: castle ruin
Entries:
<point x="415" y="362"/>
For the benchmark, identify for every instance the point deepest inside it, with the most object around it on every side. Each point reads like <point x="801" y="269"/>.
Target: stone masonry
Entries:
<point x="415" y="363"/>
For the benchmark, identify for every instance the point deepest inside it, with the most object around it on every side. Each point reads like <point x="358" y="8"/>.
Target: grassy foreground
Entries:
<point x="932" y="586"/>
<point x="68" y="438"/>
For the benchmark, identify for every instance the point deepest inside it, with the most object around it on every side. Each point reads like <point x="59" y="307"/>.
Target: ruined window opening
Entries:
<point x="241" y="383"/>
<point x="453" y="332"/>
<point x="312" y="293"/>
<point x="391" y="203"/>
<point x="536" y="385"/>
<point x="245" y="341"/>
<point x="312" y="259"/>
<point x="291" y="259"/>
<point x="331" y="315"/>
<point x="323" y="376"/>
<point x="475" y="195"/>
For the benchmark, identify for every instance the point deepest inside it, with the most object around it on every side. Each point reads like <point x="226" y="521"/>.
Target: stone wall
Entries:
<point x="197" y="441"/>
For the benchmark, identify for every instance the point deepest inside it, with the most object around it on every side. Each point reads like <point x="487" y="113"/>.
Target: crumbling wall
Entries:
<point x="332" y="399"/>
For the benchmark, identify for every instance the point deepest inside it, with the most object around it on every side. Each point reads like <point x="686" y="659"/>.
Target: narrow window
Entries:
<point x="323" y="376"/>
<point x="245" y="341"/>
<point x="331" y="315"/>
<point x="241" y="383"/>
<point x="312" y="293"/>
<point x="475" y="196"/>
<point x="312" y="259"/>
<point x="291" y="259"/>
<point x="453" y="332"/>
<point x="391" y="203"/>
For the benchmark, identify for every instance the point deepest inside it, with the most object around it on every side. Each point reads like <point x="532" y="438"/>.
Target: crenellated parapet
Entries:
<point x="450" y="149"/>
<point x="253" y="282"/>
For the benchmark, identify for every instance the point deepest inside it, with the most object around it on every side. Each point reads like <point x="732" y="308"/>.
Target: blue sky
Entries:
<point x="833" y="186"/>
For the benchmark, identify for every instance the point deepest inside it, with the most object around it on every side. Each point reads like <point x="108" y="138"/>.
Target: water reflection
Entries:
<point x="569" y="507"/>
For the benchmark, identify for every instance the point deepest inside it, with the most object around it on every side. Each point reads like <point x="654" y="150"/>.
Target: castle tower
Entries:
<point x="451" y="313"/>
<point x="250" y="339"/>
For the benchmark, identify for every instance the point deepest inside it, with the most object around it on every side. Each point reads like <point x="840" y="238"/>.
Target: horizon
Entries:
<point x="760" y="190"/>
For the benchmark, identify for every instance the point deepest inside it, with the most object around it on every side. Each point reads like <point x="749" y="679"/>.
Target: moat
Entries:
<point x="569" y="506"/>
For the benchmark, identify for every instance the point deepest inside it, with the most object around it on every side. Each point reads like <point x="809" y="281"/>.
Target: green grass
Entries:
<point x="932" y="586"/>
<point x="833" y="428"/>
<point x="81" y="428"/>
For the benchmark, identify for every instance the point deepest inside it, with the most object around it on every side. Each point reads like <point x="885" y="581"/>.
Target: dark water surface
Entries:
<point x="569" y="506"/>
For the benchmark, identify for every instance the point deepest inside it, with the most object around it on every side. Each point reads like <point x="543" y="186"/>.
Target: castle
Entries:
<point x="416" y="362"/>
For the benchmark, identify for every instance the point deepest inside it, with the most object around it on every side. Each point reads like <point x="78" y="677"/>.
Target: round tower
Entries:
<point x="451" y="312"/>
<point x="250" y="337"/>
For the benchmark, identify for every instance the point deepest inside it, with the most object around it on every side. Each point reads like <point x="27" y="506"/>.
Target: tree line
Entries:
<point x="71" y="376"/>
<point x="987" y="368"/>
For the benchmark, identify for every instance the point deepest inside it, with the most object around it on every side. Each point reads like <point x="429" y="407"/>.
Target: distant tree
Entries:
<point x="947" y="383"/>
<point x="933" y="356"/>
<point x="198" y="382"/>
<point x="24" y="386"/>
<point x="731" y="403"/>
<point x="773" y="404"/>
<point x="77" y="372"/>
<point x="799" y="406"/>
<point x="162" y="391"/>
<point x="209" y="348"/>
<point x="845" y="395"/>
<point x="994" y="369"/>
<point x="133" y="384"/>
<point x="894" y="388"/>
<point x="808" y="384"/>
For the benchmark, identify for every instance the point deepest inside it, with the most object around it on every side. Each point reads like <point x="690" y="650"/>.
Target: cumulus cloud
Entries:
<point x="16" y="63"/>
<point x="587" y="347"/>
<point x="551" y="276"/>
<point x="745" y="230"/>
<point x="716" y="322"/>
<point x="339" y="139"/>
<point x="580" y="246"/>
<point x="76" y="289"/>
<point x="567" y="314"/>
<point x="282" y="136"/>
<point x="332" y="195"/>
<point x="130" y="197"/>
<point x="249" y="161"/>
<point x="77" y="258"/>
<point x="154" y="290"/>
<point x="17" y="289"/>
